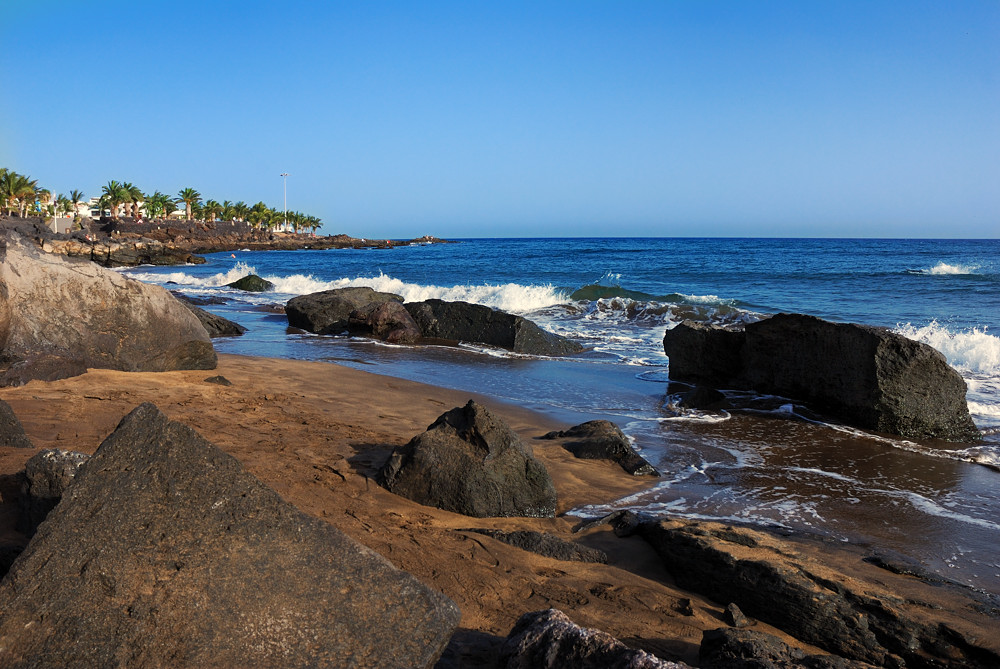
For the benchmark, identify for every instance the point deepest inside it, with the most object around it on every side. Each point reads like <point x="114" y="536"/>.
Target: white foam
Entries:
<point x="943" y="268"/>
<point x="973" y="350"/>
<point x="932" y="508"/>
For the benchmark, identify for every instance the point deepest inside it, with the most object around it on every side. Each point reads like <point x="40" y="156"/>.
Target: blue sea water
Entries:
<point x="935" y="502"/>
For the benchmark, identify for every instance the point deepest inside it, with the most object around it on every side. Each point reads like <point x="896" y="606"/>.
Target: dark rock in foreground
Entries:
<point x="834" y="612"/>
<point x="47" y="475"/>
<point x="60" y="316"/>
<point x="550" y="640"/>
<point x="166" y="552"/>
<point x="251" y="283"/>
<point x="747" y="649"/>
<point x="603" y="440"/>
<point x="471" y="462"/>
<point x="865" y="376"/>
<point x="12" y="433"/>
<point x="216" y="326"/>
<point x="329" y="311"/>
<point x="461" y="321"/>
<point x="545" y="544"/>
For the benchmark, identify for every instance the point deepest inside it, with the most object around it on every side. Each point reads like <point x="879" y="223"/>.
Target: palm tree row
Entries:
<point x="121" y="198"/>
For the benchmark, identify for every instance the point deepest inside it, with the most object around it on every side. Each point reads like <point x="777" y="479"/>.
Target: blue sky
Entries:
<point x="470" y="119"/>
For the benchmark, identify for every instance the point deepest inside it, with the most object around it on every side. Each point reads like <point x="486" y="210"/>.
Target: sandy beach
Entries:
<point x="318" y="433"/>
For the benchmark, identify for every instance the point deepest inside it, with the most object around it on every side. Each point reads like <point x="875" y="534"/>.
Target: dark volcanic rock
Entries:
<point x="251" y="283"/>
<point x="166" y="552"/>
<point x="216" y="326"/>
<point x="471" y="462"/>
<point x="704" y="354"/>
<point x="777" y="587"/>
<point x="47" y="475"/>
<point x="461" y="321"/>
<point x="329" y="311"/>
<point x="603" y="440"/>
<point x="12" y="433"/>
<point x="219" y="380"/>
<point x="388" y="320"/>
<point x="545" y="544"/>
<point x="865" y="376"/>
<point x="59" y="316"/>
<point x="734" y="617"/>
<point x="746" y="649"/>
<point x="550" y="640"/>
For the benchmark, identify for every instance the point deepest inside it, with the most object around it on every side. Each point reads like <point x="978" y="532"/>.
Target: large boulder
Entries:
<point x="550" y="640"/>
<point x="603" y="440"/>
<point x="866" y="376"/>
<point x="462" y="321"/>
<point x="389" y="321"/>
<point x="165" y="552"/>
<point x="471" y="462"/>
<point x="854" y="615"/>
<point x="725" y="648"/>
<point x="329" y="311"/>
<point x="59" y="316"/>
<point x="47" y="475"/>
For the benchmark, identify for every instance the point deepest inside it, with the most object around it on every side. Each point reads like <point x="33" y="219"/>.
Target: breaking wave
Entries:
<point x="973" y="350"/>
<point x="944" y="269"/>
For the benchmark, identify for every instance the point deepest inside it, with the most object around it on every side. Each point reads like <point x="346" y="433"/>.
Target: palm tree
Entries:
<point x="211" y="209"/>
<point x="227" y="210"/>
<point x="190" y="197"/>
<point x="258" y="214"/>
<point x="240" y="210"/>
<point x="113" y="195"/>
<point x="156" y="204"/>
<point x="169" y="207"/>
<point x="133" y="196"/>
<point x="75" y="197"/>
<point x="63" y="205"/>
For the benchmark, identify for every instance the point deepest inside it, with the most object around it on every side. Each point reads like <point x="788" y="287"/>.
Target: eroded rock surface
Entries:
<point x="60" y="316"/>
<point x="603" y="440"/>
<point x="47" y="475"/>
<point x="165" y="552"/>
<point x="12" y="433"/>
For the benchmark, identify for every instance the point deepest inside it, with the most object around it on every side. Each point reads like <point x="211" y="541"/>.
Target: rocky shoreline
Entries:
<point x="127" y="242"/>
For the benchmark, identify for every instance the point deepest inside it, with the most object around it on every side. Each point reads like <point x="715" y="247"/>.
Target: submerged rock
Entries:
<point x="866" y="376"/>
<point x="603" y="440"/>
<point x="60" y="316"/>
<point x="216" y="326"/>
<point x="251" y="283"/>
<point x="470" y="461"/>
<point x="165" y="552"/>
<point x="462" y="321"/>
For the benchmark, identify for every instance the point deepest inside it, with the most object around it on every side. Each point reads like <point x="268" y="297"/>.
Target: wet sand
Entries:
<point x="317" y="433"/>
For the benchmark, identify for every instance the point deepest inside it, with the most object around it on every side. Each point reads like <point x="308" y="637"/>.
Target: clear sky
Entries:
<point x="539" y="118"/>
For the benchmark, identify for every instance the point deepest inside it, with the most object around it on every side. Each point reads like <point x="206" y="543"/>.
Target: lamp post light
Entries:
<point x="284" y="187"/>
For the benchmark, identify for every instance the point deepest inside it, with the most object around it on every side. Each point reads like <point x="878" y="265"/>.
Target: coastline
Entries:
<point x="317" y="432"/>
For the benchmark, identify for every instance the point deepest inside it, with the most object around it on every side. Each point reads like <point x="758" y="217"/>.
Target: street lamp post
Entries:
<point x="284" y="187"/>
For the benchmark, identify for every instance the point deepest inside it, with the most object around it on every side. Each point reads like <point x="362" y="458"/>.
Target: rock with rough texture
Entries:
<point x="550" y="640"/>
<point x="470" y="461"/>
<point x="475" y="323"/>
<point x="773" y="582"/>
<point x="329" y="311"/>
<point x="165" y="552"/>
<point x="389" y="321"/>
<point x="47" y="475"/>
<point x="216" y="326"/>
<point x="251" y="283"/>
<point x="747" y="649"/>
<point x="59" y="316"/>
<point x="866" y="376"/>
<point x="548" y="545"/>
<point x="12" y="433"/>
<point x="603" y="440"/>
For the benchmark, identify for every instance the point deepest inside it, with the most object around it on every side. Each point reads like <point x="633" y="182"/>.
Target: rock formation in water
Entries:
<point x="866" y="376"/>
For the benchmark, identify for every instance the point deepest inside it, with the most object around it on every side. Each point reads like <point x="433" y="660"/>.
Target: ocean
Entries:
<point x="935" y="503"/>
